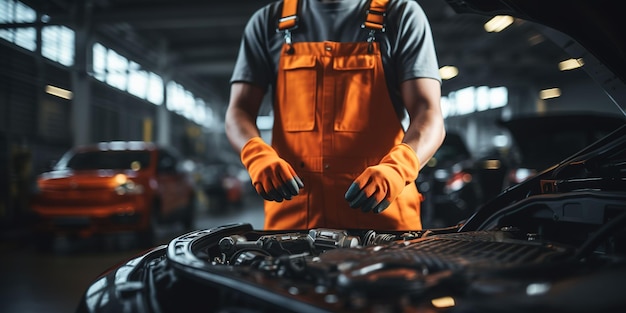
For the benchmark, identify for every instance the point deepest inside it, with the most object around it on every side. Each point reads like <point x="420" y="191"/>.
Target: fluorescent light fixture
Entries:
<point x="550" y="93"/>
<point x="571" y="64"/>
<point x="59" y="92"/>
<point x="443" y="302"/>
<point x="448" y="72"/>
<point x="498" y="23"/>
<point x="492" y="164"/>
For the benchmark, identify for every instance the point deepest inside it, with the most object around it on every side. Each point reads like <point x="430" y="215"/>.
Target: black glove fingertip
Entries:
<point x="275" y="195"/>
<point x="352" y="191"/>
<point x="369" y="204"/>
<point x="381" y="206"/>
<point x="358" y="200"/>
<point x="265" y="196"/>
<point x="299" y="182"/>
<point x="292" y="187"/>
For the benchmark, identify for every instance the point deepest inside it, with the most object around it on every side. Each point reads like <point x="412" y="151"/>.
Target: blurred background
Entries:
<point x="75" y="72"/>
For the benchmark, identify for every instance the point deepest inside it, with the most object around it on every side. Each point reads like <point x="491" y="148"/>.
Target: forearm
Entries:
<point x="425" y="136"/>
<point x="240" y="127"/>
<point x="240" y="119"/>
<point x="426" y="129"/>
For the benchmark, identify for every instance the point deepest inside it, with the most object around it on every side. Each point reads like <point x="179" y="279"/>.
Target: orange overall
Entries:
<point x="333" y="119"/>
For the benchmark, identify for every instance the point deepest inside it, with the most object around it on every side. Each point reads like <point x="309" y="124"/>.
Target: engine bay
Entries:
<point x="330" y="270"/>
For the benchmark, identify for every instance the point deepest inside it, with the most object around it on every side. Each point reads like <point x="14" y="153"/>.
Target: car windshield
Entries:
<point x="548" y="139"/>
<point x="542" y="151"/>
<point x="451" y="149"/>
<point x="116" y="160"/>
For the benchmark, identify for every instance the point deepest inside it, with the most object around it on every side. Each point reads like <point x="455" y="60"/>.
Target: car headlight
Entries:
<point x="125" y="186"/>
<point x="457" y="181"/>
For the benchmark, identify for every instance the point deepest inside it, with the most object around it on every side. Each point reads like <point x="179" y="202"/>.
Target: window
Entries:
<point x="117" y="70"/>
<point x="183" y="102"/>
<point x="116" y="160"/>
<point x="114" y="69"/>
<point x="57" y="44"/>
<point x="12" y="11"/>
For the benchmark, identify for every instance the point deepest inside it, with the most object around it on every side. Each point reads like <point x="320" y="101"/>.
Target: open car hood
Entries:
<point x="598" y="26"/>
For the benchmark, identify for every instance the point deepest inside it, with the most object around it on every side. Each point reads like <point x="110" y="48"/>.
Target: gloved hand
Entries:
<point x="272" y="177"/>
<point x="380" y="184"/>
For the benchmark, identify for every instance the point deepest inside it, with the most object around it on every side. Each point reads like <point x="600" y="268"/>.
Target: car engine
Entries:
<point x="330" y="270"/>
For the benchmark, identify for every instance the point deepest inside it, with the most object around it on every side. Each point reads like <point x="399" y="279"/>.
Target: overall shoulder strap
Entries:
<point x="289" y="17"/>
<point x="288" y="21"/>
<point x="375" y="15"/>
<point x="374" y="19"/>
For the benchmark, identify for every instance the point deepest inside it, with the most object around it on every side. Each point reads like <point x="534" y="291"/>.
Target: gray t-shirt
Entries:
<point x="406" y="45"/>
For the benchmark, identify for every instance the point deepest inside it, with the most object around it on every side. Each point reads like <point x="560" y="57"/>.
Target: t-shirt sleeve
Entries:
<point x="415" y="48"/>
<point x="253" y="65"/>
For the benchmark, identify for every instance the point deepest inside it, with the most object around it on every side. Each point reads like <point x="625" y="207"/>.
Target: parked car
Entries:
<point x="113" y="187"/>
<point x="542" y="140"/>
<point x="449" y="184"/>
<point x="224" y="185"/>
<point x="555" y="242"/>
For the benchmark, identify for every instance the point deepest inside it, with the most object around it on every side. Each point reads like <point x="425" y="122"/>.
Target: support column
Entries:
<point x="163" y="115"/>
<point x="163" y="120"/>
<point x="81" y="85"/>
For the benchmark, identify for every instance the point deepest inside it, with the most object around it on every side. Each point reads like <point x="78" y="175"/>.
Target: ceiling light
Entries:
<point x="498" y="23"/>
<point x="570" y="64"/>
<point x="59" y="92"/>
<point x="448" y="72"/>
<point x="550" y="93"/>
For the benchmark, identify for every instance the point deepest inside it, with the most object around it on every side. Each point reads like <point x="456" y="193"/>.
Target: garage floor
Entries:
<point x="33" y="281"/>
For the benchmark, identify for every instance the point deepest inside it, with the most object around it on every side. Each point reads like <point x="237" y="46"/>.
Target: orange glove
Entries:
<point x="380" y="184"/>
<point x="272" y="177"/>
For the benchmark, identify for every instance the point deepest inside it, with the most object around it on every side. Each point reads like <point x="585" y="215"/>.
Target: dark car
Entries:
<point x="554" y="243"/>
<point x="449" y="184"/>
<point x="542" y="140"/>
<point x="223" y="184"/>
<point x="113" y="187"/>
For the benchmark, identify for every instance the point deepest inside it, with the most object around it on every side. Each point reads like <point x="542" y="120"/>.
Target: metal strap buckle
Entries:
<point x="287" y="18"/>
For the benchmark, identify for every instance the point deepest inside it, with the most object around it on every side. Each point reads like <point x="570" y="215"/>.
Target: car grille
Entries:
<point x="482" y="249"/>
<point x="79" y="197"/>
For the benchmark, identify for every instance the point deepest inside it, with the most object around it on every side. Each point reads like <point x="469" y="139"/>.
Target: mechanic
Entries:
<point x="344" y="74"/>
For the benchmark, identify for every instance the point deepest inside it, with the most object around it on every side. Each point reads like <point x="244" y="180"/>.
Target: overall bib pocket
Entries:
<point x="299" y="91"/>
<point x="355" y="77"/>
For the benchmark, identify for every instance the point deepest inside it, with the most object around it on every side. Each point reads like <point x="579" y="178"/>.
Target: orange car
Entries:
<point x="113" y="187"/>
